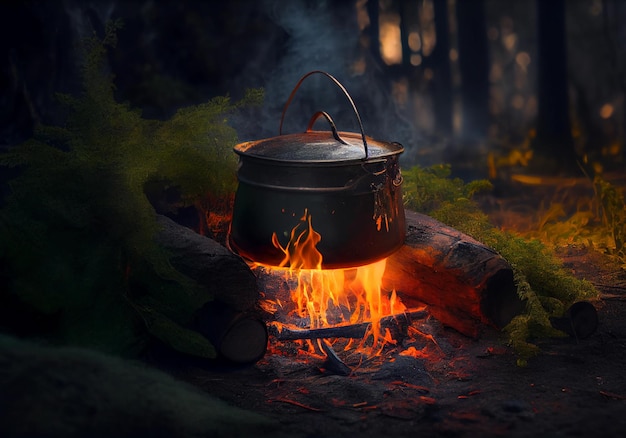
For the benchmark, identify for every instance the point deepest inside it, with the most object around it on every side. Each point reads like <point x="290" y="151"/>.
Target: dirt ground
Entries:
<point x="465" y="388"/>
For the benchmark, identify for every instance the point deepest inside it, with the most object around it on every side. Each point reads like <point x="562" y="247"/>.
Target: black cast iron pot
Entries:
<point x="348" y="183"/>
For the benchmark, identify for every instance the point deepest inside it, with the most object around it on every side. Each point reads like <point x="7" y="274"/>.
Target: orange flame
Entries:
<point x="331" y="296"/>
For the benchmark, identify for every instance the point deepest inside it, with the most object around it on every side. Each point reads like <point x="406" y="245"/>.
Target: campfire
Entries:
<point x="325" y="306"/>
<point x="319" y="218"/>
<point x="349" y="184"/>
<point x="351" y="317"/>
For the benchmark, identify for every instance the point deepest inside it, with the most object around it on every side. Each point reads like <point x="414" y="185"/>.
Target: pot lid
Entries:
<point x="319" y="147"/>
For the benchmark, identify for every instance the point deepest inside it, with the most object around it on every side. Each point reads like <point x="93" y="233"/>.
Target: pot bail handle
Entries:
<point x="320" y="113"/>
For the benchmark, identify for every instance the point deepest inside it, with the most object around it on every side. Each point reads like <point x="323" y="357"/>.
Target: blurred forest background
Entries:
<point x="492" y="88"/>
<point x="485" y="85"/>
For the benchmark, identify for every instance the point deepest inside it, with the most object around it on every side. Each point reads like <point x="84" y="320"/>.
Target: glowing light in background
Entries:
<point x="522" y="59"/>
<point x="427" y="22"/>
<point x="390" y="43"/>
<point x="508" y="37"/>
<point x="496" y="100"/>
<point x="496" y="73"/>
<point x="415" y="44"/>
<point x="596" y="8"/>
<point x="400" y="92"/>
<point x="359" y="66"/>
<point x="531" y="106"/>
<point x="362" y="17"/>
<point x="457" y="114"/>
<point x="509" y="41"/>
<point x="606" y="111"/>
<point x="415" y="41"/>
<point x="517" y="102"/>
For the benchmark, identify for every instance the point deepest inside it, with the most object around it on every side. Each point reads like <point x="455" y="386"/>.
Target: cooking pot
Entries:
<point x="346" y="183"/>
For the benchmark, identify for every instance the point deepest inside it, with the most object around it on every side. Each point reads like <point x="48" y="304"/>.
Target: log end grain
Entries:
<point x="238" y="337"/>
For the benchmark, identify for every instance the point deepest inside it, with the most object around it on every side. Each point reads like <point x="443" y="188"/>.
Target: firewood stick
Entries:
<point x="333" y="363"/>
<point x="345" y="331"/>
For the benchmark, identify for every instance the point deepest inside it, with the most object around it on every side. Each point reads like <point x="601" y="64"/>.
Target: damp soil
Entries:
<point x="462" y="388"/>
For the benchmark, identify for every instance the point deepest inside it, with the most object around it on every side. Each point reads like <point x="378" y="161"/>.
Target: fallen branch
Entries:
<point x="295" y="403"/>
<point x="346" y="331"/>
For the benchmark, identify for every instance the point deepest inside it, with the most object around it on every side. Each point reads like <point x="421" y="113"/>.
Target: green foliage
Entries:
<point x="613" y="214"/>
<point x="599" y="222"/>
<point x="541" y="280"/>
<point x="431" y="188"/>
<point x="78" y="230"/>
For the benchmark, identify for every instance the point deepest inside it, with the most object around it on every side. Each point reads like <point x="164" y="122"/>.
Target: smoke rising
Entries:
<point x="321" y="37"/>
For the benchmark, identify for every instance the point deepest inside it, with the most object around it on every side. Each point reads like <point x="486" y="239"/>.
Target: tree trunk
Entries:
<point x="553" y="146"/>
<point x="615" y="36"/>
<point x="474" y="67"/>
<point x="442" y="79"/>
<point x="373" y="31"/>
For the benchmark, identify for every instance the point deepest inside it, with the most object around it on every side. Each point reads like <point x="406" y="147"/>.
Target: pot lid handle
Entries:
<point x="333" y="127"/>
<point x="320" y="113"/>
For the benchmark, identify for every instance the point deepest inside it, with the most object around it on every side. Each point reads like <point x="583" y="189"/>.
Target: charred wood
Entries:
<point x="397" y="322"/>
<point x="332" y="362"/>
<point x="467" y="285"/>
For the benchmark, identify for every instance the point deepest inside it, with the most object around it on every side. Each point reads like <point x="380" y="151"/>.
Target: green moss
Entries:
<point x="542" y="282"/>
<point x="77" y="229"/>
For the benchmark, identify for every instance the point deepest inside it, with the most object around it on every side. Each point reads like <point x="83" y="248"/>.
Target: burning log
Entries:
<point x="466" y="285"/>
<point x="397" y="322"/>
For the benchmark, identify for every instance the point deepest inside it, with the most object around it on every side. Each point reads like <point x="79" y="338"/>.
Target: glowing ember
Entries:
<point x="327" y="297"/>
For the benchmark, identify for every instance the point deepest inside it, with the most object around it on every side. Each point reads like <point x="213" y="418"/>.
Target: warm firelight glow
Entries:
<point x="606" y="111"/>
<point x="327" y="297"/>
<point x="390" y="41"/>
